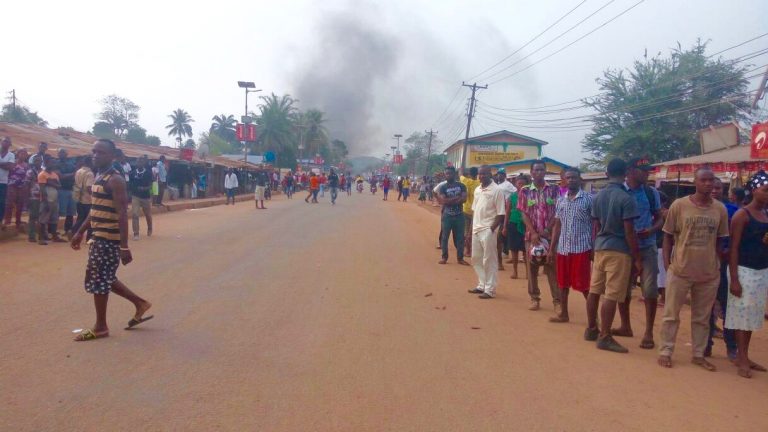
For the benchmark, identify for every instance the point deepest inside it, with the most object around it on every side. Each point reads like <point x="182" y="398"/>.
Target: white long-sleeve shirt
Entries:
<point x="230" y="181"/>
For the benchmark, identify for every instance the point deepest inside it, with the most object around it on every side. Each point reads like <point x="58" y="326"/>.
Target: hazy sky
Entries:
<point x="377" y="68"/>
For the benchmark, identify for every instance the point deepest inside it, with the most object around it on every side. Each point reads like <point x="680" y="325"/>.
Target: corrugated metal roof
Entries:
<point x="731" y="155"/>
<point x="28" y="136"/>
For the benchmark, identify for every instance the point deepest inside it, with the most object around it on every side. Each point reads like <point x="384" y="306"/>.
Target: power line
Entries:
<point x="542" y="109"/>
<point x="471" y="112"/>
<point x="736" y="46"/>
<point x="552" y="40"/>
<point x="577" y="40"/>
<point x="458" y="90"/>
<point x="530" y="41"/>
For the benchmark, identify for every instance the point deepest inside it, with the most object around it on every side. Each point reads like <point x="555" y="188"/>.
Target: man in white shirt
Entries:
<point x="230" y="185"/>
<point x="489" y="211"/>
<point x="7" y="161"/>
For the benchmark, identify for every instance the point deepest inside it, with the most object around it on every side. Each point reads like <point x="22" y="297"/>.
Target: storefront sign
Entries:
<point x="494" y="157"/>
<point x="759" y="143"/>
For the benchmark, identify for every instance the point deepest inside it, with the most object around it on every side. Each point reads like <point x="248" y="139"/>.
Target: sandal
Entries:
<point x="756" y="367"/>
<point x="136" y="321"/>
<point x="647" y="344"/>
<point x="704" y="364"/>
<point x="89" y="334"/>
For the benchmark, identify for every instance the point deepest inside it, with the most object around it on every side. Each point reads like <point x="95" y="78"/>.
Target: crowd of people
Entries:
<point x="54" y="188"/>
<point x="702" y="249"/>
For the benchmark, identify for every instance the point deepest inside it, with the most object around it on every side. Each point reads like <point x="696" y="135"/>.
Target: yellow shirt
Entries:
<point x="471" y="186"/>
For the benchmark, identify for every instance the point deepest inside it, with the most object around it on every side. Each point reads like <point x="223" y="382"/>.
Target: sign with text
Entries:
<point x="759" y="142"/>
<point x="494" y="157"/>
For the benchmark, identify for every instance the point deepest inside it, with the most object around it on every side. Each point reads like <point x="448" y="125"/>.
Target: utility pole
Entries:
<point x="471" y="113"/>
<point x="760" y="90"/>
<point x="429" y="150"/>
<point x="13" y="99"/>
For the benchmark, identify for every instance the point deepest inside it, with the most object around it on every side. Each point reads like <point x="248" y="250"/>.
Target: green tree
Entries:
<point x="21" y="114"/>
<point x="276" y="124"/>
<point x="217" y="145"/>
<point x="224" y="126"/>
<point x="120" y="113"/>
<point x="657" y="108"/>
<point x="136" y="134"/>
<point x="180" y="124"/>
<point x="104" y="130"/>
<point x="190" y="143"/>
<point x="152" y="140"/>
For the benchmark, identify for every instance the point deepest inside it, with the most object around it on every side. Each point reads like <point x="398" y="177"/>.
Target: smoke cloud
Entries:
<point x="352" y="57"/>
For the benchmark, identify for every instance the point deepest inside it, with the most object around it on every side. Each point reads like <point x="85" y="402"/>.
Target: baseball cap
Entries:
<point x="641" y="163"/>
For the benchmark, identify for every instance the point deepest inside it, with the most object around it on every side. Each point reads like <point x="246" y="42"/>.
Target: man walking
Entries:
<point x="314" y="188"/>
<point x="333" y="183"/>
<point x="537" y="203"/>
<point x="109" y="245"/>
<point x="162" y="177"/>
<point x="613" y="212"/>
<point x="452" y="195"/>
<point x="572" y="242"/>
<point x="230" y="185"/>
<point x="140" y="184"/>
<point x="66" y="171"/>
<point x="647" y="224"/>
<point x="489" y="210"/>
<point x="697" y="225"/>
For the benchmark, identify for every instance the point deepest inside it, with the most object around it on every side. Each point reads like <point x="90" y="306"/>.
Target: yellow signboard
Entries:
<point x="485" y="158"/>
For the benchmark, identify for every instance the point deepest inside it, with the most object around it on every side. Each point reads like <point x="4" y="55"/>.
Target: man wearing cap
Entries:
<point x="647" y="224"/>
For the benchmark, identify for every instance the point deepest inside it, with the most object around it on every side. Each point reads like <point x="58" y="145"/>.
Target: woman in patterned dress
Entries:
<point x="748" y="267"/>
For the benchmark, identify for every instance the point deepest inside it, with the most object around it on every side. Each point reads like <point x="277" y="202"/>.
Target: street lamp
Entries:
<point x="249" y="88"/>
<point x="398" y="136"/>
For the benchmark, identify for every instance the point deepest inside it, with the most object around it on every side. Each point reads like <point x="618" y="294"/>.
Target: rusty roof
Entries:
<point x="28" y="136"/>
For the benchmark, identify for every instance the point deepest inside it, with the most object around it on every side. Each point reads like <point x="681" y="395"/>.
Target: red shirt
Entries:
<point x="314" y="183"/>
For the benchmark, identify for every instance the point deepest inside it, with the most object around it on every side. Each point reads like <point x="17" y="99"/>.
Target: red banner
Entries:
<point x="718" y="167"/>
<point x="759" y="143"/>
<point x="187" y="153"/>
<point x="398" y="159"/>
<point x="240" y="132"/>
<point x="731" y="166"/>
<point x="245" y="132"/>
<point x="251" y="133"/>
<point x="752" y="166"/>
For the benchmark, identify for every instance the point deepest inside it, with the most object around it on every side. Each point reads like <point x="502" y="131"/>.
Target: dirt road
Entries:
<point x="317" y="318"/>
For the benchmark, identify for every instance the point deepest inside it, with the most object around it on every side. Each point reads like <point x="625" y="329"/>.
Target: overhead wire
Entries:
<point x="570" y="44"/>
<point x="530" y="41"/>
<point x="552" y="40"/>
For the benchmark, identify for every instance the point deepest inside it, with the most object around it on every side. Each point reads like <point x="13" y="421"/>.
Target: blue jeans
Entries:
<point x="66" y="203"/>
<point x="729" y="336"/>
<point x="322" y="190"/>
<point x="334" y="193"/>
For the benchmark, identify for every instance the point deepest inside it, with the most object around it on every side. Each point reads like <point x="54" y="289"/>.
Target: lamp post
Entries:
<point x="398" y="136"/>
<point x="249" y="88"/>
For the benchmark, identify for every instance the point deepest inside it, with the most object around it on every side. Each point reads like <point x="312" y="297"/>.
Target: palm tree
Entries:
<point x="315" y="126"/>
<point x="275" y="121"/>
<point x="180" y="124"/>
<point x="224" y="126"/>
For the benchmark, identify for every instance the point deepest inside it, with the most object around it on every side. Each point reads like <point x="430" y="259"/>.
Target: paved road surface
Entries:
<point x="312" y="317"/>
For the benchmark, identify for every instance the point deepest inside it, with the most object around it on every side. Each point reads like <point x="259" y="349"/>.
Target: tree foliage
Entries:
<point x="120" y="113"/>
<point x="224" y="126"/>
<point x="180" y="124"/>
<point x="415" y="155"/>
<point x="21" y="114"/>
<point x="657" y="108"/>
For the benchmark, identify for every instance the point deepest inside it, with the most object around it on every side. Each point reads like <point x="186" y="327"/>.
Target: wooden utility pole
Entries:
<point x="760" y="90"/>
<point x="471" y="113"/>
<point x="429" y="150"/>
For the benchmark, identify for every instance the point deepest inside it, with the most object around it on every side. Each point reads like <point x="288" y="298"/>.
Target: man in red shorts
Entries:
<point x="572" y="241"/>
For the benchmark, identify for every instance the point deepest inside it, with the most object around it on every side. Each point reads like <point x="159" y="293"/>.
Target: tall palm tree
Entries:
<point x="315" y="126"/>
<point x="275" y="121"/>
<point x="224" y="126"/>
<point x="180" y="124"/>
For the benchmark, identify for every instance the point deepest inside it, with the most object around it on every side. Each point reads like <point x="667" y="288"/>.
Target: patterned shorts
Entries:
<point x="103" y="261"/>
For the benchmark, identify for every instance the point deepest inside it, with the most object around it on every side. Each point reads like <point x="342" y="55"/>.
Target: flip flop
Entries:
<point x="134" y="322"/>
<point x="89" y="334"/>
<point x="647" y="344"/>
<point x="756" y="367"/>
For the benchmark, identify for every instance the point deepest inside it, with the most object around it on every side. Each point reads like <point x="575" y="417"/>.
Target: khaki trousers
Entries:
<point x="702" y="297"/>
<point x="533" y="282"/>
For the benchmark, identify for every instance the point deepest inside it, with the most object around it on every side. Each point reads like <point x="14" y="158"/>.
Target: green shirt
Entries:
<point x="515" y="217"/>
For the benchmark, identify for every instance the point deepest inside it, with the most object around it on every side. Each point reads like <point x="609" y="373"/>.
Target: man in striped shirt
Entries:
<point x="108" y="247"/>
<point x="572" y="241"/>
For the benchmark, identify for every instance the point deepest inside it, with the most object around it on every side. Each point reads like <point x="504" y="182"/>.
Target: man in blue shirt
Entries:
<point x="162" y="177"/>
<point x="647" y="224"/>
<point x="616" y="252"/>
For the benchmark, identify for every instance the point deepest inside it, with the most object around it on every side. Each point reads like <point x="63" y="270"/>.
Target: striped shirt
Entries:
<point x="575" y="217"/>
<point x="104" y="217"/>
